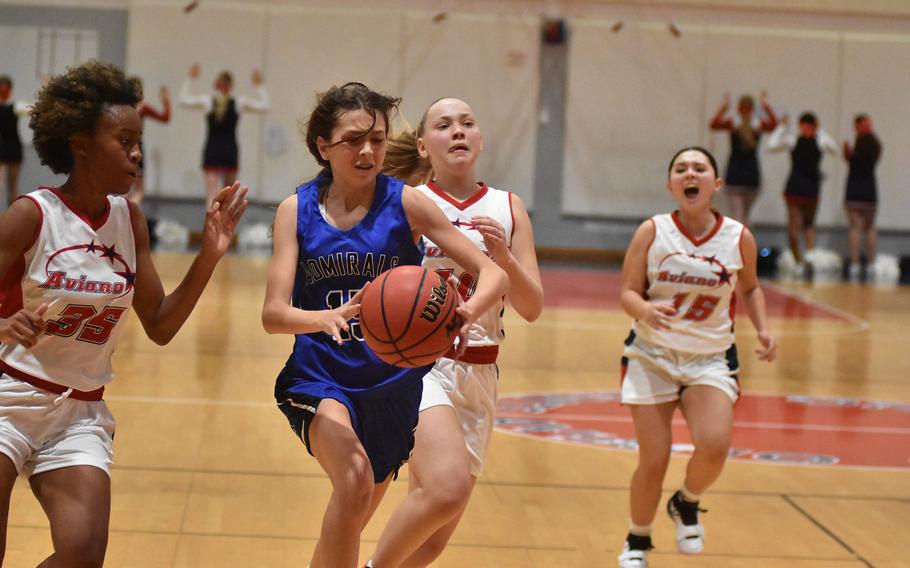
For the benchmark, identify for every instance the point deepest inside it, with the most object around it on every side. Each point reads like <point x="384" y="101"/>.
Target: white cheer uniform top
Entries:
<point x="489" y="202"/>
<point x="85" y="272"/>
<point x="698" y="276"/>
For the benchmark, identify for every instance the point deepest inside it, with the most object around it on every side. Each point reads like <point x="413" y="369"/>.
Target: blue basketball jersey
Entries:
<point x="332" y="266"/>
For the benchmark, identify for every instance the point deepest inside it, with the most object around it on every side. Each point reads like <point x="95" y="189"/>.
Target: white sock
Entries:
<point x="639" y="530"/>
<point x="688" y="495"/>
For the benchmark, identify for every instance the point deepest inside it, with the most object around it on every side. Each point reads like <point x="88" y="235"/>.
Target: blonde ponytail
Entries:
<point x="403" y="162"/>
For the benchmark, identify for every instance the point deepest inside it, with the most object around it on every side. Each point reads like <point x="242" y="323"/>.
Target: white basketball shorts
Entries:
<point x="42" y="431"/>
<point x="653" y="374"/>
<point x="470" y="389"/>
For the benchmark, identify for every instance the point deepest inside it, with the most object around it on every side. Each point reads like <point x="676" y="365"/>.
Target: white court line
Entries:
<point x="736" y="424"/>
<point x="188" y="401"/>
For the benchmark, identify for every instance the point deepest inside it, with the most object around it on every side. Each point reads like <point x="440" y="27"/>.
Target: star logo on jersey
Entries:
<point x="723" y="275"/>
<point x="468" y="225"/>
<point x="109" y="253"/>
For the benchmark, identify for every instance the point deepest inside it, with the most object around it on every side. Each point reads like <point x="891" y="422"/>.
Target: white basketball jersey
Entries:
<point x="489" y="202"/>
<point x="84" y="271"/>
<point x="699" y="277"/>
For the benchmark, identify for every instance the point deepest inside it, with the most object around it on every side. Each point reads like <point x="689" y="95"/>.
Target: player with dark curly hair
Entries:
<point x="73" y="260"/>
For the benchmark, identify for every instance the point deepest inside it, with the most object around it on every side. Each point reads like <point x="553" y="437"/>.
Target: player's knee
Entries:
<point x="714" y="449"/>
<point x="451" y="493"/>
<point x="84" y="551"/>
<point x="653" y="465"/>
<point x="355" y="489"/>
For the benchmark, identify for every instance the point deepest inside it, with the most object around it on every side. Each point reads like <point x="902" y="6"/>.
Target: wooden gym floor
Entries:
<point x="207" y="472"/>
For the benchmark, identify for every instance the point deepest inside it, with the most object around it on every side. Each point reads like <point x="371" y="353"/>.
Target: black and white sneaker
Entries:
<point x="635" y="552"/>
<point x="690" y="535"/>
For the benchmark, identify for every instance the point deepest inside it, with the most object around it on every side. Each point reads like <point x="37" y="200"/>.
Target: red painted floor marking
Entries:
<point x="768" y="428"/>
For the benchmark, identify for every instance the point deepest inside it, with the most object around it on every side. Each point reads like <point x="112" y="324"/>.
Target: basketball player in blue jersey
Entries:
<point x="73" y="260"/>
<point x="459" y="394"/>
<point x="678" y="281"/>
<point x="355" y="414"/>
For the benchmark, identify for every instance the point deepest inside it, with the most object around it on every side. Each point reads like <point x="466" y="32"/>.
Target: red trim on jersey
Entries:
<point x="481" y="355"/>
<point x="11" y="288"/>
<point x="462" y="205"/>
<point x="11" y="282"/>
<point x="134" y="211"/>
<point x="512" y="215"/>
<point x="40" y="221"/>
<point x="90" y="396"/>
<point x="647" y="252"/>
<point x="698" y="242"/>
<point x="95" y="224"/>
<point x="742" y="257"/>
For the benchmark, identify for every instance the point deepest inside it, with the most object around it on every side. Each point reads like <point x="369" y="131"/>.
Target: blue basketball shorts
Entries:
<point x="384" y="421"/>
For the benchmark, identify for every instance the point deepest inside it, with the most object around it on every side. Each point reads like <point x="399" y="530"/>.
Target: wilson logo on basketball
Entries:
<point x="435" y="303"/>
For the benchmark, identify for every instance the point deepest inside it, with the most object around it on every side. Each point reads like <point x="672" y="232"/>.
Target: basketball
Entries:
<point x="407" y="316"/>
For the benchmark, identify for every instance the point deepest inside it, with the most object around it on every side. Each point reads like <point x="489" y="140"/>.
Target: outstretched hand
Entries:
<point x="221" y="219"/>
<point x="333" y="322"/>
<point x="23" y="327"/>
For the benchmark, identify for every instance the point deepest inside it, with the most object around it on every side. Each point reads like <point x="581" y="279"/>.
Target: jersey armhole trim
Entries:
<point x="742" y="257"/>
<point x="512" y="215"/>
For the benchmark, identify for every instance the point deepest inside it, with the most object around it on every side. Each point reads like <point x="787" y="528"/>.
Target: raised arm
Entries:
<point x="278" y="313"/>
<point x="492" y="283"/>
<point x="782" y="138"/>
<point x="164" y="115"/>
<point x="518" y="261"/>
<point x="826" y="142"/>
<point x="754" y="298"/>
<point x="259" y="103"/>
<point x="18" y="228"/>
<point x="635" y="282"/>
<point x="721" y="121"/>
<point x="769" y="118"/>
<point x="187" y="99"/>
<point x="162" y="315"/>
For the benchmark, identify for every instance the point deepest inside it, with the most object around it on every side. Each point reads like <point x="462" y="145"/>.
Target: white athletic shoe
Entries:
<point x="635" y="557"/>
<point x="690" y="535"/>
<point x="854" y="272"/>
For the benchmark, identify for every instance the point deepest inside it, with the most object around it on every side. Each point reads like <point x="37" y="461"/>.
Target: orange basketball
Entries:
<point x="407" y="316"/>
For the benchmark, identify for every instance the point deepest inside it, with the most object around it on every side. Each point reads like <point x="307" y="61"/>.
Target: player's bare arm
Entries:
<point x="17" y="229"/>
<point x="754" y="298"/>
<point x="519" y="263"/>
<point x="278" y="315"/>
<point x="635" y="281"/>
<point x="162" y="315"/>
